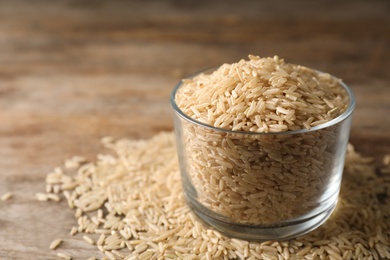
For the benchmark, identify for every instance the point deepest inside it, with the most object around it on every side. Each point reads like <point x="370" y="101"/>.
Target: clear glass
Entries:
<point x="262" y="186"/>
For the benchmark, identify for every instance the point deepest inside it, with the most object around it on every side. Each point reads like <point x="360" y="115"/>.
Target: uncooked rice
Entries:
<point x="262" y="95"/>
<point x="144" y="215"/>
<point x="64" y="256"/>
<point x="89" y="239"/>
<point x="264" y="179"/>
<point x="56" y="243"/>
<point x="6" y="196"/>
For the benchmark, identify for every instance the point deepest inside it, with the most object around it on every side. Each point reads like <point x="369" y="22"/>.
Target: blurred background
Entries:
<point x="74" y="71"/>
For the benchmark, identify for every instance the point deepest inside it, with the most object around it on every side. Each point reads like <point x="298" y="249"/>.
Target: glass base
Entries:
<point x="283" y="231"/>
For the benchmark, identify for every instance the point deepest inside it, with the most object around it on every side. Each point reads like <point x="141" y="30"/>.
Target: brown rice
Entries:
<point x="6" y="196"/>
<point x="145" y="216"/>
<point x="55" y="244"/>
<point x="258" y="179"/>
<point x="262" y="95"/>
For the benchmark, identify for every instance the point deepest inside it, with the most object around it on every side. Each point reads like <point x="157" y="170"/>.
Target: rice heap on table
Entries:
<point x="130" y="204"/>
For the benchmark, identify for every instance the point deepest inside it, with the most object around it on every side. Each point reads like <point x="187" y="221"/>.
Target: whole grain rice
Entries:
<point x="6" y="196"/>
<point x="55" y="243"/>
<point x="264" y="179"/>
<point x="262" y="95"/>
<point x="145" y="215"/>
<point x="64" y="256"/>
<point x="41" y="196"/>
<point x="89" y="239"/>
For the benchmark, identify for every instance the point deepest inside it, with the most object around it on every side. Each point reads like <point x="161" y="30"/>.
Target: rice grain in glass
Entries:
<point x="262" y="186"/>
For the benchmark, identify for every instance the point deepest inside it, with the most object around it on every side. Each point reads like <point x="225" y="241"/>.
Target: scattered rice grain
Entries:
<point x="55" y="244"/>
<point x="41" y="196"/>
<point x="89" y="240"/>
<point x="6" y="196"/>
<point x="147" y="180"/>
<point x="64" y="256"/>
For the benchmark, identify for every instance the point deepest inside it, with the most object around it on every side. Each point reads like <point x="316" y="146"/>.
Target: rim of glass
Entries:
<point x="334" y="121"/>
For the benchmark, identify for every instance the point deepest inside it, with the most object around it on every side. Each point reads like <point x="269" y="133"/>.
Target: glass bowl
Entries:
<point x="262" y="186"/>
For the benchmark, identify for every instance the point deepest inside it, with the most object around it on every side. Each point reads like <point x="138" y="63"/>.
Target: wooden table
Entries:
<point x="74" y="71"/>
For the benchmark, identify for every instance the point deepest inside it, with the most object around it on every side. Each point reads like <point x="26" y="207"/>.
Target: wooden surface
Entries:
<point x="74" y="71"/>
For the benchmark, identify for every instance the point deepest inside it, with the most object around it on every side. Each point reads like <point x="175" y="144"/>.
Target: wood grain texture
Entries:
<point x="74" y="71"/>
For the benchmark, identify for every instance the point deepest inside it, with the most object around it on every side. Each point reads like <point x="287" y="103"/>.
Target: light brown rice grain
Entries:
<point x="49" y="188"/>
<point x="55" y="243"/>
<point x="110" y="255"/>
<point x="147" y="255"/>
<point x="118" y="254"/>
<point x="101" y="239"/>
<point x="89" y="240"/>
<point x="41" y="196"/>
<point x="73" y="231"/>
<point x="64" y="256"/>
<point x="6" y="196"/>
<point x="56" y="189"/>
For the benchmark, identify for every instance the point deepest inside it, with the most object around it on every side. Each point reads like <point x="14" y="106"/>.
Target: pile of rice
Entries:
<point x="262" y="95"/>
<point x="263" y="179"/>
<point x="130" y="204"/>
